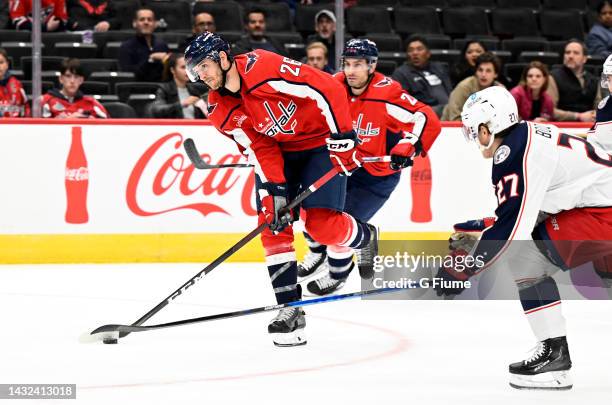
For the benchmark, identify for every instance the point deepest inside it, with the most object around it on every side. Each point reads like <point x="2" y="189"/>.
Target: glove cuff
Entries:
<point x="276" y="189"/>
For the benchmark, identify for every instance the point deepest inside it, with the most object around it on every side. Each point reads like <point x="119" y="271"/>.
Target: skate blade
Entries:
<point x="307" y="293"/>
<point x="295" y="338"/>
<point x="553" y="380"/>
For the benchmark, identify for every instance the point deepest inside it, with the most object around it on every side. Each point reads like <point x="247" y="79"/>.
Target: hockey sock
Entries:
<point x="313" y="245"/>
<point x="542" y="305"/>
<point x="340" y="260"/>
<point x="282" y="268"/>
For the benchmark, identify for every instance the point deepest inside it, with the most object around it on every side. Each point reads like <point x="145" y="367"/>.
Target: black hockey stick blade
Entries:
<point x="198" y="162"/>
<point x="105" y="329"/>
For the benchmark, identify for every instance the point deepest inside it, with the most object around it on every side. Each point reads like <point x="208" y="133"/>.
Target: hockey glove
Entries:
<point x="403" y="153"/>
<point x="458" y="271"/>
<point x="343" y="152"/>
<point x="273" y="202"/>
<point x="467" y="233"/>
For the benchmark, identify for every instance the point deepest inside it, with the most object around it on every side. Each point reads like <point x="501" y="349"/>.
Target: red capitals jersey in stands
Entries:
<point x="56" y="105"/>
<point x="21" y="11"/>
<point x="225" y="111"/>
<point x="297" y="105"/>
<point x="383" y="114"/>
<point x="13" y="100"/>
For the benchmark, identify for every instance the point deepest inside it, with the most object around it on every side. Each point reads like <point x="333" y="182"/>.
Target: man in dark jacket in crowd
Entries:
<point x="255" y="24"/>
<point x="179" y="98"/>
<point x="428" y="82"/>
<point x="144" y="54"/>
<point x="95" y="15"/>
<point x="325" y="27"/>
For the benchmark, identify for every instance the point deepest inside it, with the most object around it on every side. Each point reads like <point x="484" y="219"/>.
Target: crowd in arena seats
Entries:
<point x="544" y="51"/>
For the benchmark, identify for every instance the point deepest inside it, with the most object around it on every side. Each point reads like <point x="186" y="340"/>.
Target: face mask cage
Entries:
<point x="605" y="79"/>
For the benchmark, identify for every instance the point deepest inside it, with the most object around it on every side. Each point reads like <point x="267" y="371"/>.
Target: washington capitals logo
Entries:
<point x="384" y="82"/>
<point x="274" y="124"/>
<point x="251" y="60"/>
<point x="367" y="131"/>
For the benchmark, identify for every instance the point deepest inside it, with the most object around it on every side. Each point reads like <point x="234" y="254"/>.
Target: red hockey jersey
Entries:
<point x="383" y="114"/>
<point x="56" y="105"/>
<point x="297" y="105"/>
<point x="13" y="100"/>
<point x="226" y="113"/>
<point x="21" y="12"/>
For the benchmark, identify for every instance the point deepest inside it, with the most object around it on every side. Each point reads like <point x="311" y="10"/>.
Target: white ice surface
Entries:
<point x="358" y="352"/>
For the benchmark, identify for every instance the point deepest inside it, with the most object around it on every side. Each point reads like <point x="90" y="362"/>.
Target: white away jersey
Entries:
<point x="536" y="169"/>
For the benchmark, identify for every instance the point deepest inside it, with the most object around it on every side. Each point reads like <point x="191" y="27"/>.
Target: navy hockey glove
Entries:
<point x="403" y="153"/>
<point x="343" y="152"/>
<point x="459" y="271"/>
<point x="273" y="202"/>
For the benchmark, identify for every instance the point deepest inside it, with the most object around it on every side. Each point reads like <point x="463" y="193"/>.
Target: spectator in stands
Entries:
<point x="69" y="102"/>
<point x="202" y="22"/>
<point x="255" y="25"/>
<point x="534" y="103"/>
<point x="426" y="81"/>
<point x="144" y="54"/>
<point x="488" y="67"/>
<point x="13" y="100"/>
<point x="54" y="16"/>
<point x="95" y="15"/>
<point x="325" y="27"/>
<point x="575" y="91"/>
<point x="599" y="40"/>
<point x="179" y="98"/>
<point x="316" y="56"/>
<point x="466" y="67"/>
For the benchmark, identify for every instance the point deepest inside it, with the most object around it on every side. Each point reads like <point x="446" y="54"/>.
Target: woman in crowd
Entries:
<point x="466" y="67"/>
<point x="534" y="103"/>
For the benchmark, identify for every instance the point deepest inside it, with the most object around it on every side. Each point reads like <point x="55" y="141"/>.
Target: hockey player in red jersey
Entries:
<point x="387" y="121"/>
<point x="554" y="194"/>
<point x="69" y="102"/>
<point x="54" y="16"/>
<point x="286" y="115"/>
<point x="13" y="100"/>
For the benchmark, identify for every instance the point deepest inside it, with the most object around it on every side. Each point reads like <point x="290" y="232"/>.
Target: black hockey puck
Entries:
<point x="110" y="341"/>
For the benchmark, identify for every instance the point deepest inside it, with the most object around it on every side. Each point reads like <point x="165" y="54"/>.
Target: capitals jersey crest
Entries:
<point x="363" y="132"/>
<point x="278" y="124"/>
<point x="251" y="61"/>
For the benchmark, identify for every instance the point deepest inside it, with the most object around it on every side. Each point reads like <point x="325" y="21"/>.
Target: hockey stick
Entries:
<point x="233" y="249"/>
<point x="198" y="162"/>
<point x="137" y="328"/>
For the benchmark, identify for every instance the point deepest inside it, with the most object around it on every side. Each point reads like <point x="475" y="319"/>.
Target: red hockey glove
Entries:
<point x="273" y="202"/>
<point x="403" y="152"/>
<point x="343" y="154"/>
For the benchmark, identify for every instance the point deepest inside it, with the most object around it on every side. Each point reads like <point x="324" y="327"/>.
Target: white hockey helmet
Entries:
<point x="494" y="107"/>
<point x="606" y="71"/>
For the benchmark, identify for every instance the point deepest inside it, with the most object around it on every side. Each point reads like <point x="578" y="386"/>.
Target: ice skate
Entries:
<point x="287" y="327"/>
<point x="365" y="255"/>
<point x="313" y="264"/>
<point x="325" y="284"/>
<point x="547" y="368"/>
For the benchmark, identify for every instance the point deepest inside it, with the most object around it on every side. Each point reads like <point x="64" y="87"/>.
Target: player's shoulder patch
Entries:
<point x="501" y="154"/>
<point x="385" y="81"/>
<point x="603" y="102"/>
<point x="252" y="59"/>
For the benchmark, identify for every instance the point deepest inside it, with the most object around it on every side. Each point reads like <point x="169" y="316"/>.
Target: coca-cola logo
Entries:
<point x="80" y="174"/>
<point x="164" y="168"/>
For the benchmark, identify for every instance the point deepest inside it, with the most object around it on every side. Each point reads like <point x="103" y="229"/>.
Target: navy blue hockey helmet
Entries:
<point x="205" y="46"/>
<point x="360" y="49"/>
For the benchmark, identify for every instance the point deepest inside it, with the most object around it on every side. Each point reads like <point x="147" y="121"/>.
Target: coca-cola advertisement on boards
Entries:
<point x="77" y="180"/>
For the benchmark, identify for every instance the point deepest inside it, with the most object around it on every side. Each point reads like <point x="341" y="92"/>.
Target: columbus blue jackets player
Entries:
<point x="538" y="173"/>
